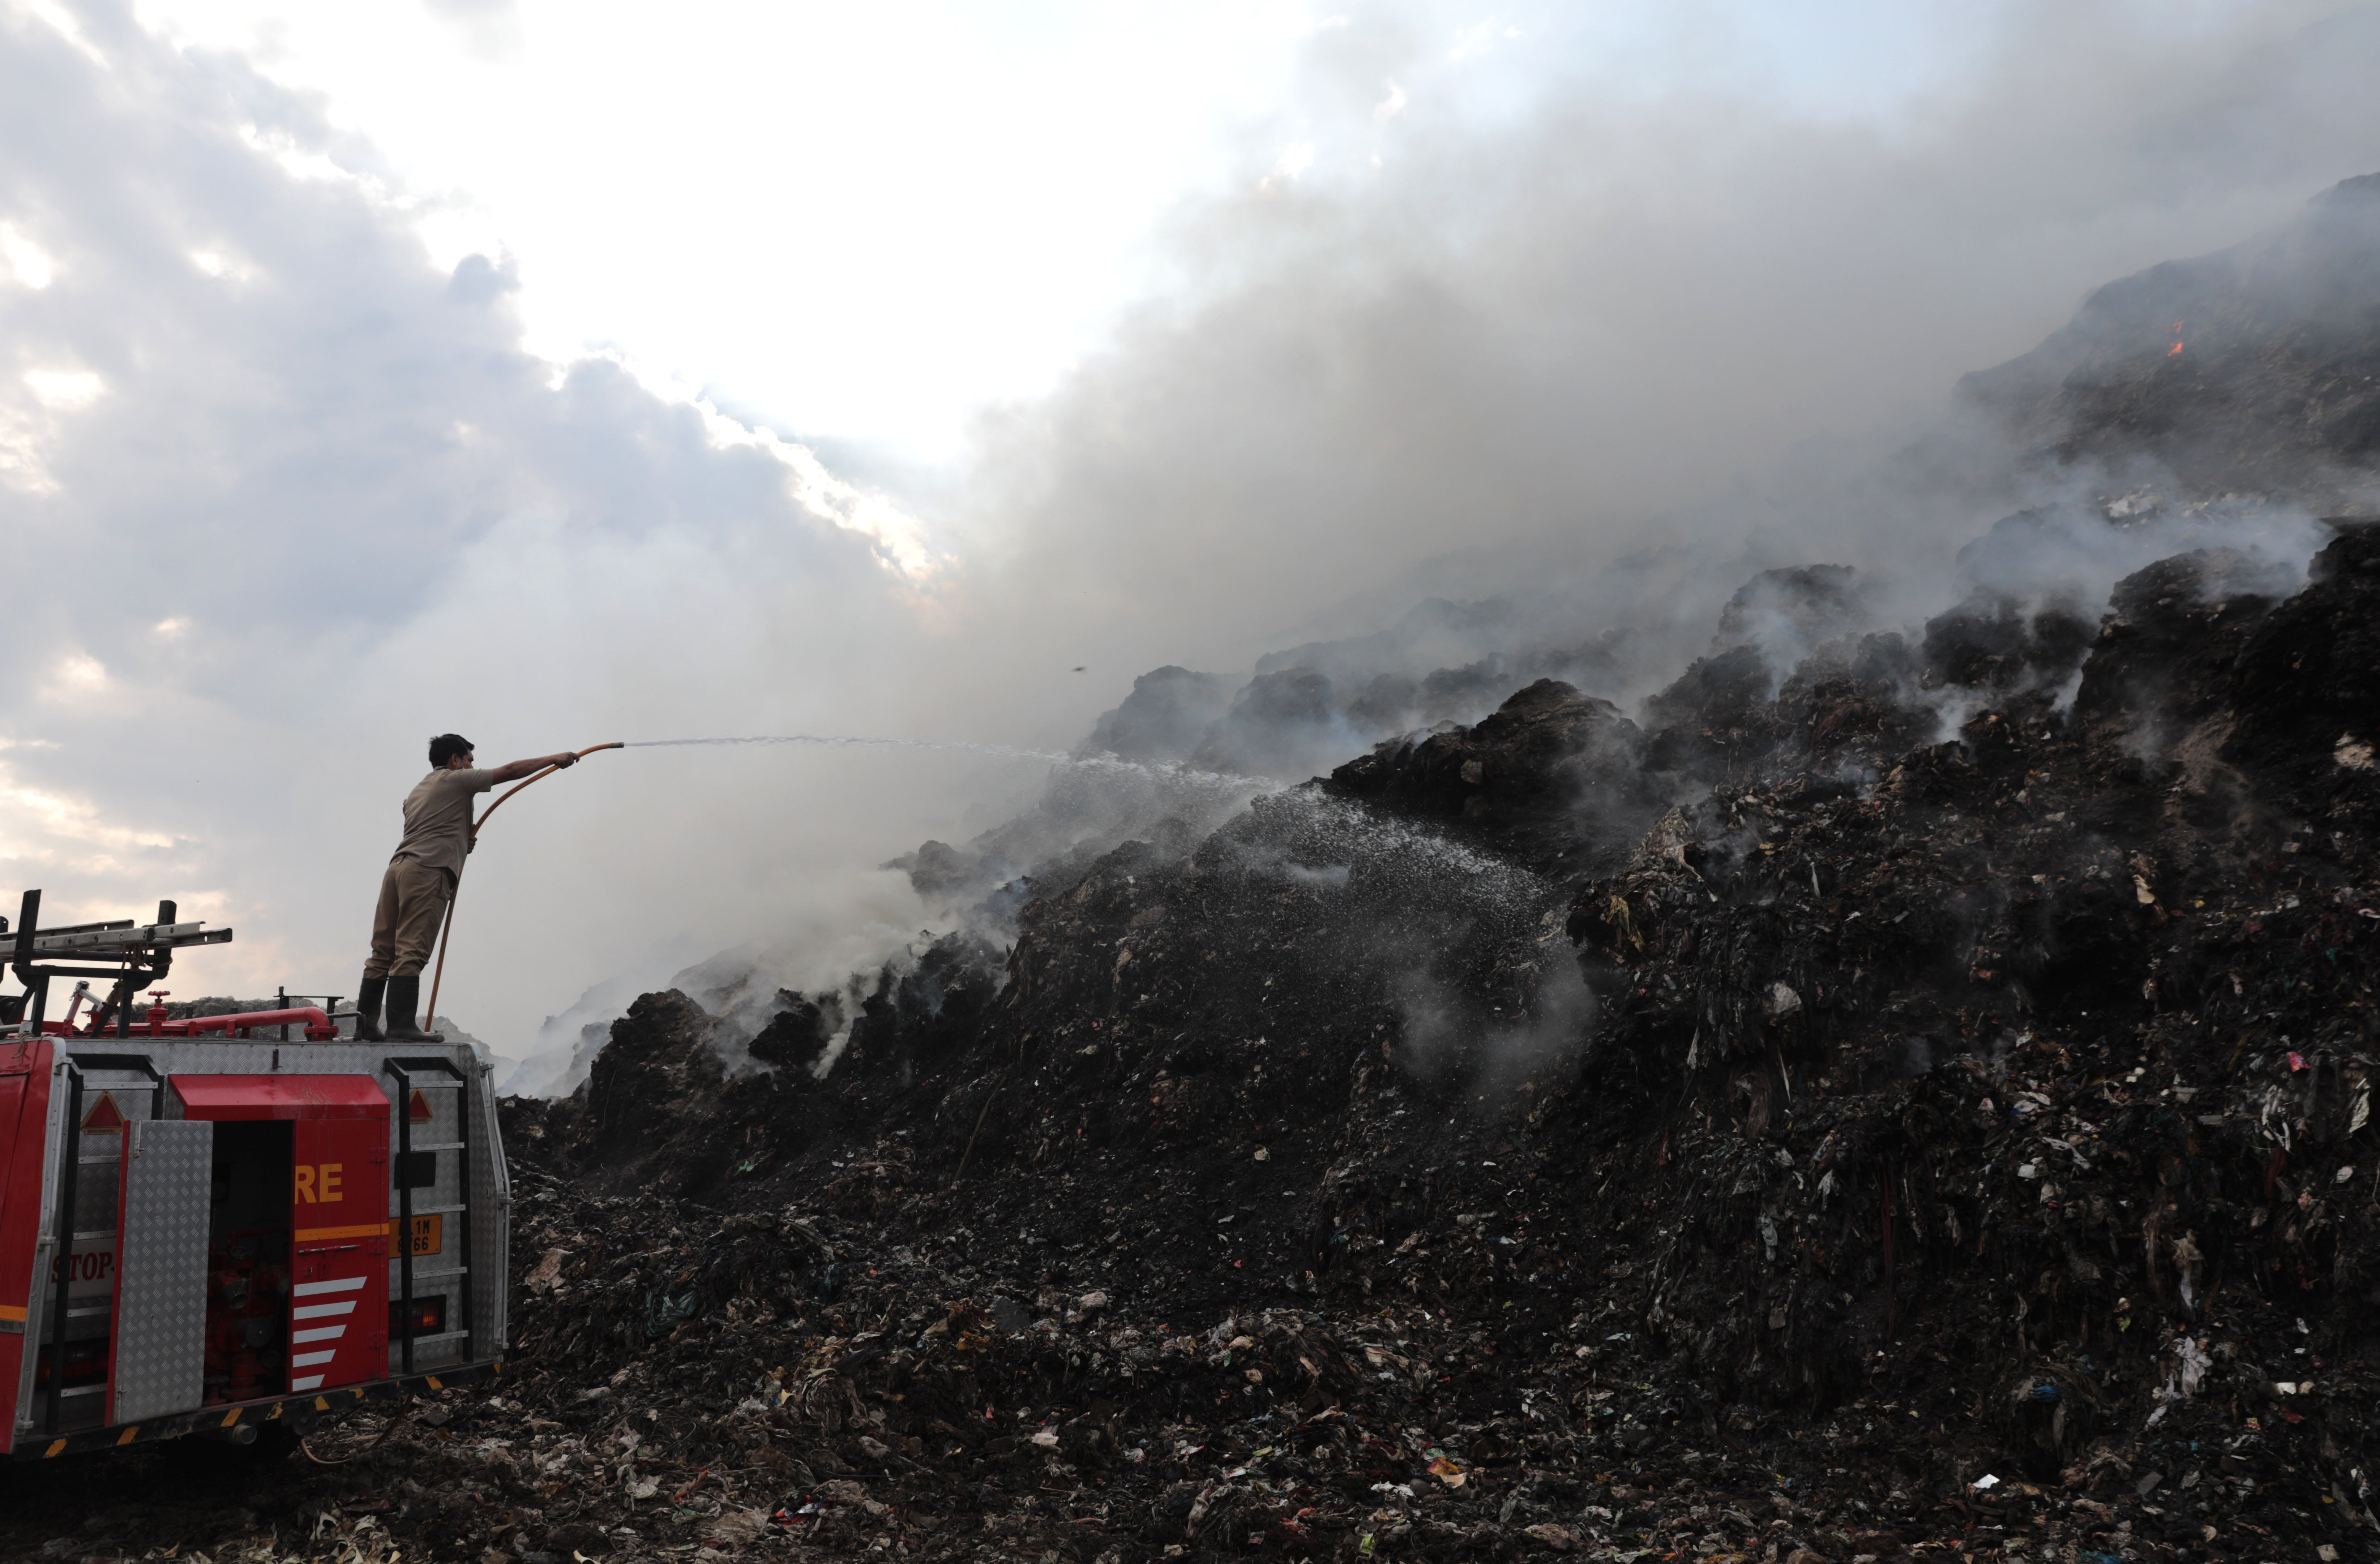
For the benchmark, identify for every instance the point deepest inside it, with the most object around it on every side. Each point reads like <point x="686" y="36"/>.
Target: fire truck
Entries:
<point x="228" y="1225"/>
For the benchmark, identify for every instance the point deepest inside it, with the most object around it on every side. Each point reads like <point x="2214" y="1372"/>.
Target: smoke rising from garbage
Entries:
<point x="1533" y="397"/>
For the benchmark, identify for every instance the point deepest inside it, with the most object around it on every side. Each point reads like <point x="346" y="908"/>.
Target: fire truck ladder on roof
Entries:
<point x="402" y="1099"/>
<point x="144" y="953"/>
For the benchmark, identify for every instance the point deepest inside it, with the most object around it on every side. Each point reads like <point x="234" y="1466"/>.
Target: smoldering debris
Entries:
<point x="1943" y="1142"/>
<point x="2002" y="1079"/>
<point x="2203" y="368"/>
<point x="1904" y="1087"/>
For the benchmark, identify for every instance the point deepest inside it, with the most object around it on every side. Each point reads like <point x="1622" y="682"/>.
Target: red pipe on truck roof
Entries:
<point x="318" y="1024"/>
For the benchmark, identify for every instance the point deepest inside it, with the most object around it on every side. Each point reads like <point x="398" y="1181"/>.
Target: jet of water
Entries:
<point x="1089" y="762"/>
<point x="1001" y="749"/>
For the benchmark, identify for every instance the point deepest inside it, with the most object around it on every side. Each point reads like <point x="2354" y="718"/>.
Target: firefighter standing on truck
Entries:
<point x="421" y="881"/>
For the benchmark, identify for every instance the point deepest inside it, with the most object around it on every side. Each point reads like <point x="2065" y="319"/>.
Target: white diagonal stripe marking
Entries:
<point x="344" y="1284"/>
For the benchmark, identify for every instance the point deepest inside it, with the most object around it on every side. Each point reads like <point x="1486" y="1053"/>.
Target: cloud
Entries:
<point x="65" y="390"/>
<point x="75" y="675"/>
<point x="317" y="516"/>
<point x="27" y="264"/>
<point x="490" y="28"/>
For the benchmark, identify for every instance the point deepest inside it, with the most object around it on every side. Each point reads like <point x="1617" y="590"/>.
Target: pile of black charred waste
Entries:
<point x="1920" y="1140"/>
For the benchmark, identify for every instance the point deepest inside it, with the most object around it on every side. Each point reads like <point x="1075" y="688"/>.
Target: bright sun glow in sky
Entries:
<point x="864" y="222"/>
<point x="858" y="221"/>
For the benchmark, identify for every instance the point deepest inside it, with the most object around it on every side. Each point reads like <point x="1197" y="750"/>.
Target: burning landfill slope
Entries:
<point x="1896" y="1115"/>
<point x="1914" y="1098"/>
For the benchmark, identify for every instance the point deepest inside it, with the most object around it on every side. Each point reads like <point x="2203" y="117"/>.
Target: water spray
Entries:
<point x="1000" y="751"/>
<point x="997" y="751"/>
<point x="1060" y="758"/>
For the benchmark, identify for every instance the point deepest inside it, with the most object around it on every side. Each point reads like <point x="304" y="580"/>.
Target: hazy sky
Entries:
<point x="563" y="373"/>
<point x="866" y="221"/>
<point x="851" y="220"/>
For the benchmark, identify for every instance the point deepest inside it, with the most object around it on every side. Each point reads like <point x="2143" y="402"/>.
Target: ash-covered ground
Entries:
<point x="1891" y="1092"/>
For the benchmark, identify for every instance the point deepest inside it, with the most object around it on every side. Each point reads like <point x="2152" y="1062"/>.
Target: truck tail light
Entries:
<point x="429" y="1316"/>
<point x="85" y="1362"/>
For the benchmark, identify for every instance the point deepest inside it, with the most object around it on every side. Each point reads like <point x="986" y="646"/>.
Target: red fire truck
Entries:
<point x="228" y="1224"/>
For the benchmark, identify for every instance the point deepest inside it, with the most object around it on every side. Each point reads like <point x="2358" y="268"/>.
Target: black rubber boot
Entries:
<point x="403" y="998"/>
<point x="368" y="1011"/>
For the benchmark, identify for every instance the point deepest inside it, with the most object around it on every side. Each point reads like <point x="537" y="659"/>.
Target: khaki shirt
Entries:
<point x="438" y="818"/>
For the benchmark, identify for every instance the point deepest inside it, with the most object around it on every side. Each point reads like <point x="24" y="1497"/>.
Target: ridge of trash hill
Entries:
<point x="1920" y="1107"/>
<point x="1802" y="1130"/>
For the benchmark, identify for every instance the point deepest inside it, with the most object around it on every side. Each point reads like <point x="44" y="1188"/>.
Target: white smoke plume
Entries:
<point x="1598" y="322"/>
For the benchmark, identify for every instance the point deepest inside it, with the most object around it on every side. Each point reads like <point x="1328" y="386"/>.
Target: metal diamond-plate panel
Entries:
<point x="161" y="1314"/>
<point x="492" y="1199"/>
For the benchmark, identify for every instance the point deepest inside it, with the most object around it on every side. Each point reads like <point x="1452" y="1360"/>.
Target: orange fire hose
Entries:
<point x="446" y="930"/>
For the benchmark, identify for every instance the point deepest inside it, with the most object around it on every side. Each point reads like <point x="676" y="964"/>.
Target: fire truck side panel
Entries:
<point x="474" y="1248"/>
<point x="159" y="1358"/>
<point x="26" y="1246"/>
<point x="338" y="1315"/>
<point x="328" y="1320"/>
<point x="21" y="1106"/>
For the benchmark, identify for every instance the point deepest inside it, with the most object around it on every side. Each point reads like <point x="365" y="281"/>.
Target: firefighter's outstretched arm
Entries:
<point x="513" y="771"/>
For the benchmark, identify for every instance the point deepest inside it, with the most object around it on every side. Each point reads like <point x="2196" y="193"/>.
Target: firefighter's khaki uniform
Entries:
<point x="421" y="879"/>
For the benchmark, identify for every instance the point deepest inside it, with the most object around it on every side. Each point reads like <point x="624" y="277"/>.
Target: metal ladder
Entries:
<point x="401" y="1103"/>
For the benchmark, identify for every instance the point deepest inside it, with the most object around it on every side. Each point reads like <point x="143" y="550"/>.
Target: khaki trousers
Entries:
<point x="413" y="899"/>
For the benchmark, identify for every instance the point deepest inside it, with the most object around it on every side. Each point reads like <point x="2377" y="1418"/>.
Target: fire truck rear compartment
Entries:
<point x="211" y="1221"/>
<point x="246" y="1236"/>
<point x="297" y="1294"/>
<point x="248" y="1262"/>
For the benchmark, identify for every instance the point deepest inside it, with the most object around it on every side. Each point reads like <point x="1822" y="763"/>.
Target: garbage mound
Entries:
<point x="1922" y="1137"/>
<point x="1918" y="1137"/>
<point x="2251" y="370"/>
<point x="1940" y="1120"/>
<point x="1893" y="1094"/>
